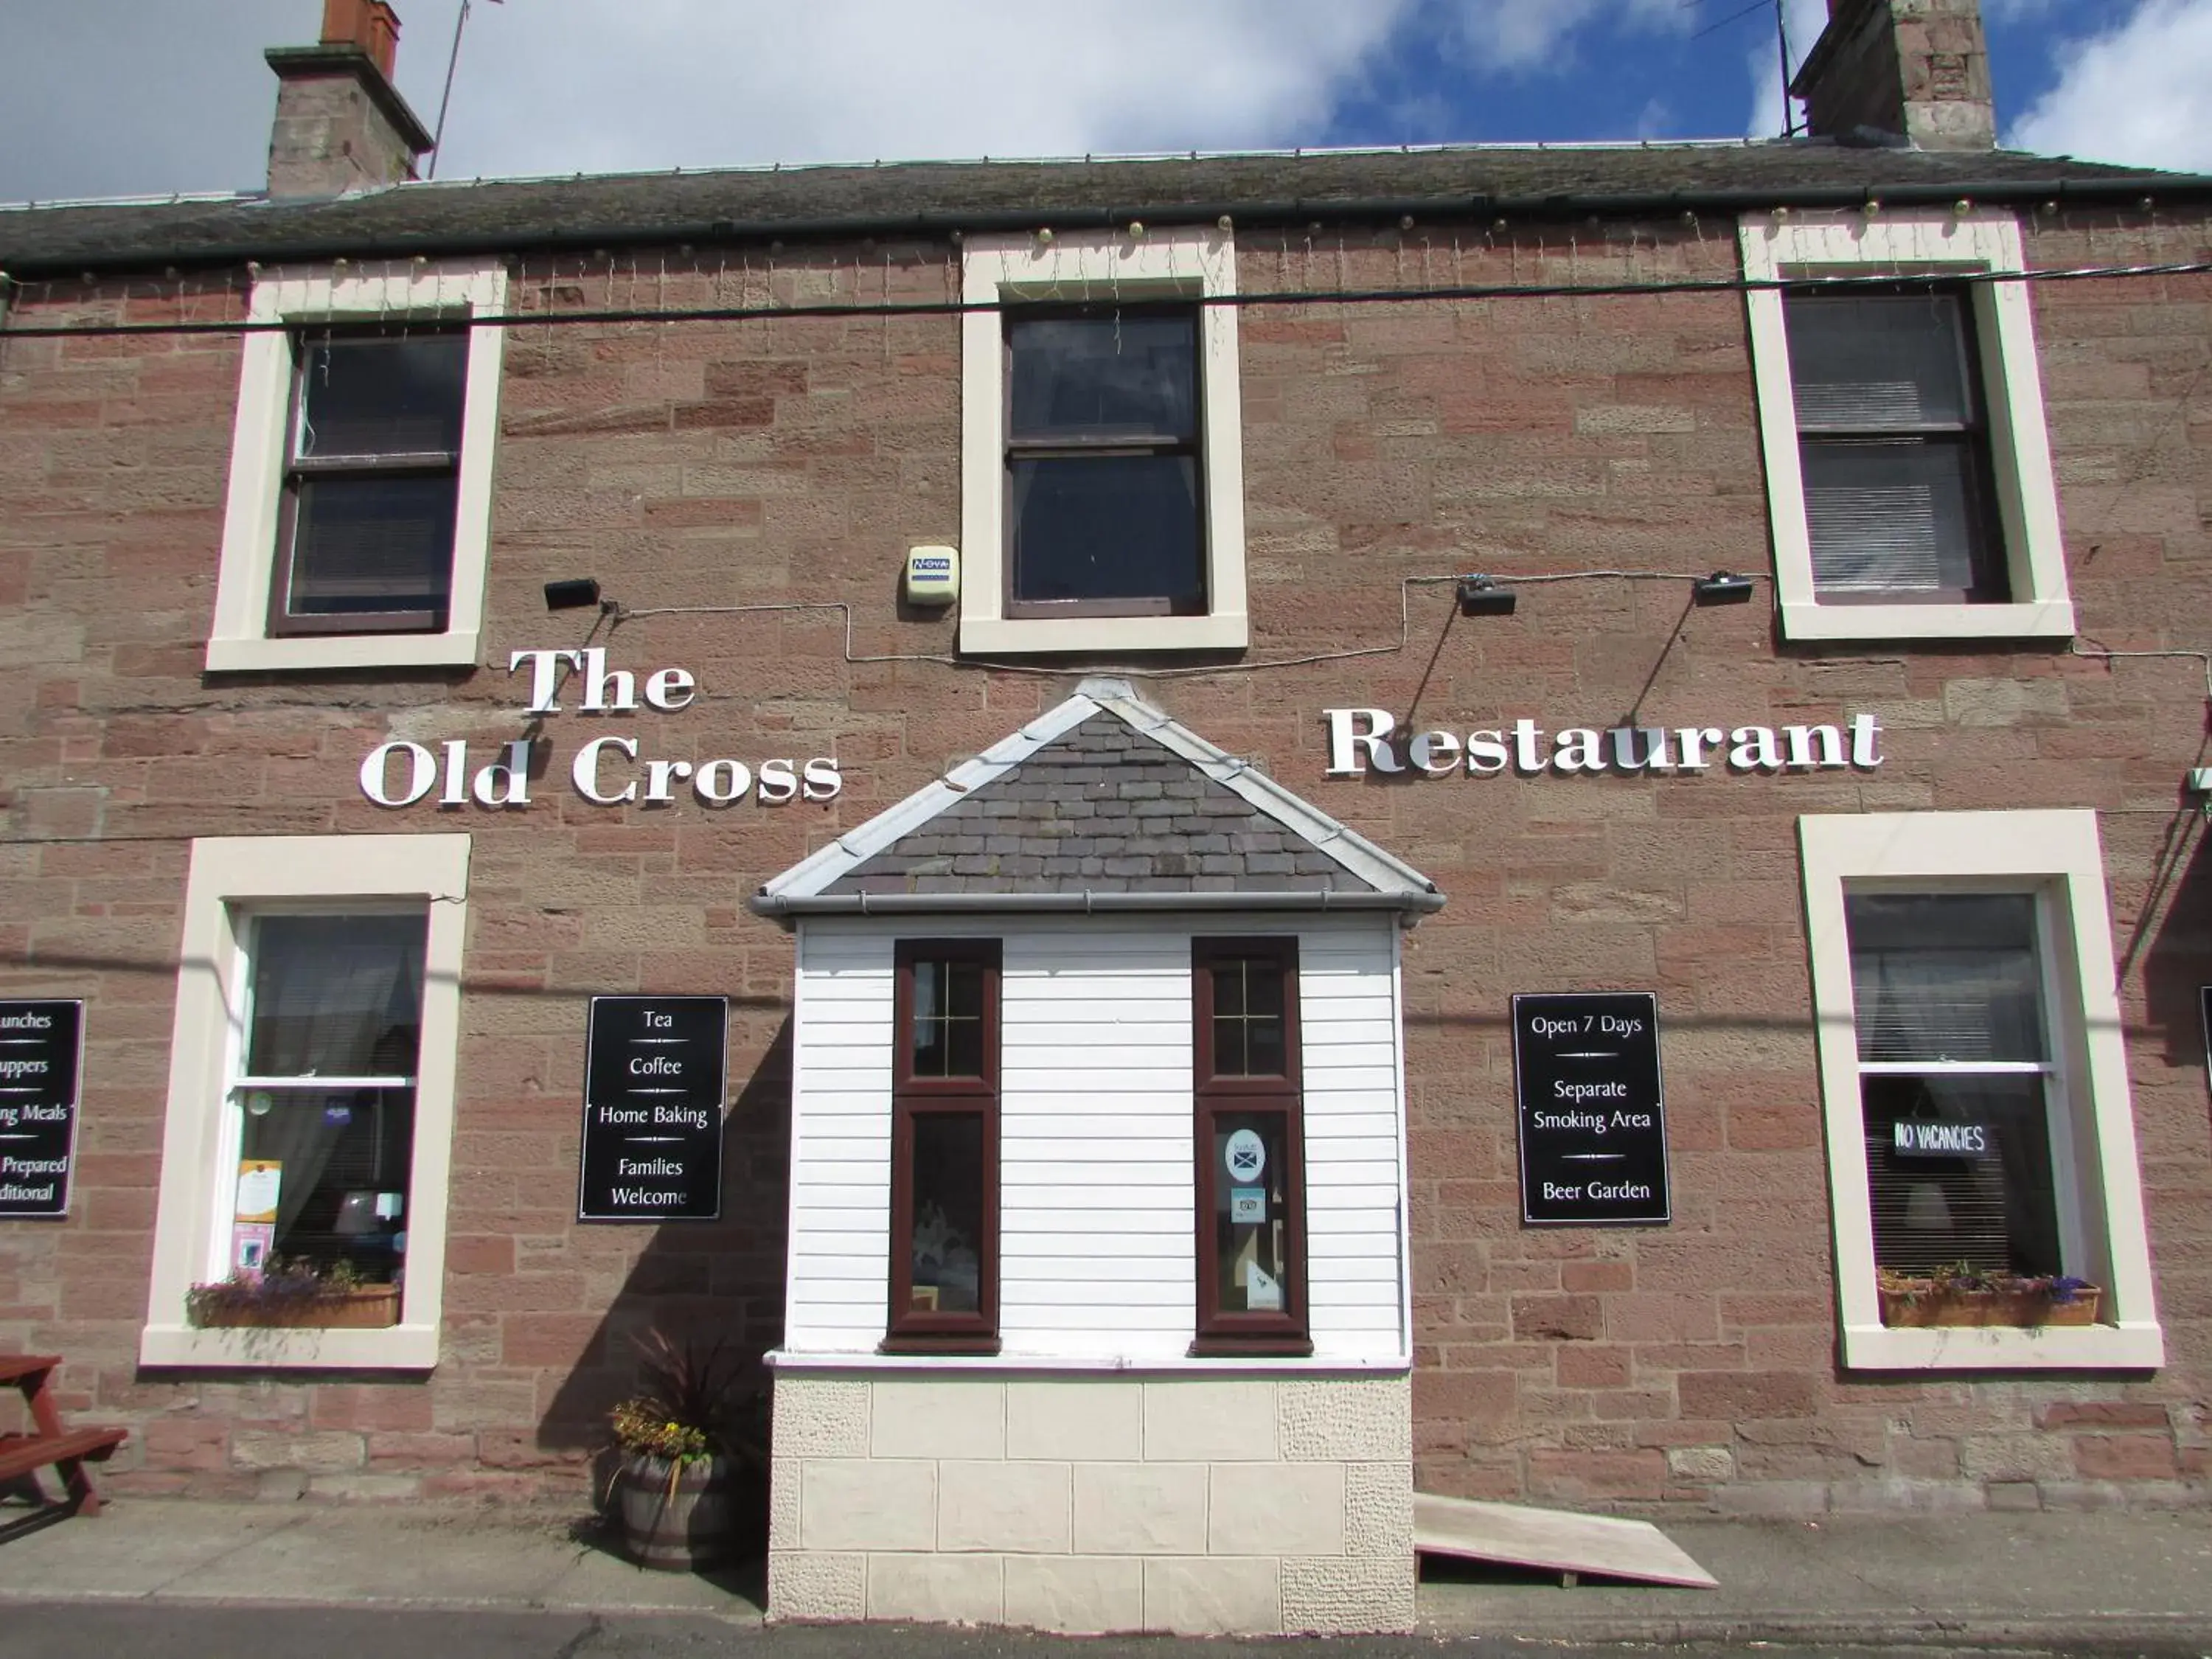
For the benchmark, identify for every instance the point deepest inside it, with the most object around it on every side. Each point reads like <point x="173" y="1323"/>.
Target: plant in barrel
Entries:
<point x="690" y="1489"/>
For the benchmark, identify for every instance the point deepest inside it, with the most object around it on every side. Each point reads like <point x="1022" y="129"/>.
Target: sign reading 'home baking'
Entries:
<point x="607" y="770"/>
<point x="1593" y="1122"/>
<point x="41" y="1058"/>
<point x="654" y="1068"/>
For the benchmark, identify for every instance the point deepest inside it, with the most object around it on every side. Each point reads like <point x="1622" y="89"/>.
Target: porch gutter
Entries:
<point x="1083" y="903"/>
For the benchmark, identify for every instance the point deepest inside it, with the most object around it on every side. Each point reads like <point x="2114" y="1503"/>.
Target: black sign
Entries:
<point x="1593" y="1124"/>
<point x="653" y="1073"/>
<point x="41" y="1055"/>
<point x="2205" y="1012"/>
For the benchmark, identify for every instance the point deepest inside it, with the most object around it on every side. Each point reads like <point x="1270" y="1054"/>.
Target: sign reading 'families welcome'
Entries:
<point x="654" y="1069"/>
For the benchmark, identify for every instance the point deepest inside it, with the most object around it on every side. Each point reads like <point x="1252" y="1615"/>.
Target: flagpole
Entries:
<point x="438" y="138"/>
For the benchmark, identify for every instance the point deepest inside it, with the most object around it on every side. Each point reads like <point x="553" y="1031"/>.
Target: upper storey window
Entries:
<point x="1101" y="473"/>
<point x="1104" y="463"/>
<point x="372" y="479"/>
<point x="1908" y="474"/>
<point x="358" y="521"/>
<point x="1892" y="441"/>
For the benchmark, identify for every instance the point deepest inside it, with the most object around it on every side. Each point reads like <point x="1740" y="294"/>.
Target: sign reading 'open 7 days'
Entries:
<point x="1361" y="740"/>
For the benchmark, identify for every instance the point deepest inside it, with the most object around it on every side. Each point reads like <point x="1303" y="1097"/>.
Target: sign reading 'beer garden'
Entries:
<point x="1593" y="1123"/>
<point x="41" y="1060"/>
<point x="655" y="1069"/>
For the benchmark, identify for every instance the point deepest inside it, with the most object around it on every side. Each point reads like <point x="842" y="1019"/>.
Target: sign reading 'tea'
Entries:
<point x="1593" y="1122"/>
<point x="654" y="1072"/>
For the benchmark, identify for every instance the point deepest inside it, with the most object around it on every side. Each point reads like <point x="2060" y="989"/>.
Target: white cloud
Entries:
<point x="106" y="97"/>
<point x="1522" y="35"/>
<point x="2134" y="93"/>
<point x="556" y="86"/>
<point x="1804" y="20"/>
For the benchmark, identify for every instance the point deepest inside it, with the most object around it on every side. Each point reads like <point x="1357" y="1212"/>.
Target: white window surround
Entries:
<point x="1072" y="268"/>
<point x="1916" y="244"/>
<point x="2057" y="855"/>
<point x="381" y="293"/>
<point x="230" y="877"/>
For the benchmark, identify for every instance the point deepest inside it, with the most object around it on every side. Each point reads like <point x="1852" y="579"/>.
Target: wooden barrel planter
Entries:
<point x="683" y="1524"/>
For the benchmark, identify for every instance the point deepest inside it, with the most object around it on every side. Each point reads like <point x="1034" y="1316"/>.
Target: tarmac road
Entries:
<point x="140" y="1630"/>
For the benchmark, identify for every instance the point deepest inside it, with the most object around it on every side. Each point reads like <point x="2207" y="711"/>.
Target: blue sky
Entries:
<point x="149" y="97"/>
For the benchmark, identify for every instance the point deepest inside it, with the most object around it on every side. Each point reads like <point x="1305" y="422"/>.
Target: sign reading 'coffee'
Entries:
<point x="41" y="1052"/>
<point x="1593" y="1125"/>
<point x="653" y="1075"/>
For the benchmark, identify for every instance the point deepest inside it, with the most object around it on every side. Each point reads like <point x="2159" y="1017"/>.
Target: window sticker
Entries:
<point x="1246" y="1155"/>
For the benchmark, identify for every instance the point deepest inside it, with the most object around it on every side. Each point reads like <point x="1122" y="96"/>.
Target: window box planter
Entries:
<point x="233" y="1307"/>
<point x="1922" y="1304"/>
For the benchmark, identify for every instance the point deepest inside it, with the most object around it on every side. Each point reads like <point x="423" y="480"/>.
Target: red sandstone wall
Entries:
<point x="765" y="461"/>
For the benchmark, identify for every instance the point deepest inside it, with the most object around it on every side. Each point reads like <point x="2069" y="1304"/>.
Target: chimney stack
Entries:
<point x="341" y="124"/>
<point x="1915" y="71"/>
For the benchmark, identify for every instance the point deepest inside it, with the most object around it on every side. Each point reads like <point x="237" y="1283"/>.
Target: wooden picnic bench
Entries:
<point x="52" y="1444"/>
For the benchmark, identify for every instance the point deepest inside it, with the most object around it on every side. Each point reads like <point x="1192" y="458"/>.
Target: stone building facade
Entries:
<point x="736" y="401"/>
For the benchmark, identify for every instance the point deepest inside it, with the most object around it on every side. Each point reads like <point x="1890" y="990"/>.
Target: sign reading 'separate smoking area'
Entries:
<point x="41" y="1056"/>
<point x="653" y="1076"/>
<point x="1593" y="1125"/>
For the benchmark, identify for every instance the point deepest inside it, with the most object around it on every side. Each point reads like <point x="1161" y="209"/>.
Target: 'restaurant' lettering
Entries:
<point x="1364" y="740"/>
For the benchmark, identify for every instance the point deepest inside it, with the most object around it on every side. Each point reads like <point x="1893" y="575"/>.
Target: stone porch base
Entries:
<point x="1198" y="1505"/>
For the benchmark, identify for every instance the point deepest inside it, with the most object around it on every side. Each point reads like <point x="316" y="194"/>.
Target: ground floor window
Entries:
<point x="1983" y="1169"/>
<point x="324" y="1101"/>
<point x="306" y="1154"/>
<point x="945" y="1147"/>
<point x="1250" y="1144"/>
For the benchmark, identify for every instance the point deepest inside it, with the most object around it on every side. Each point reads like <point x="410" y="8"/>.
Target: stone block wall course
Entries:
<point x="1184" y="1527"/>
<point x="792" y="461"/>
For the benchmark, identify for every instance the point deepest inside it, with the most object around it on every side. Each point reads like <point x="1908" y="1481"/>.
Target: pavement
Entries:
<point x="2137" y="1582"/>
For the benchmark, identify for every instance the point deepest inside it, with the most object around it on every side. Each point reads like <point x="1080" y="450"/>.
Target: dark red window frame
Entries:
<point x="906" y="1330"/>
<point x="1221" y="1330"/>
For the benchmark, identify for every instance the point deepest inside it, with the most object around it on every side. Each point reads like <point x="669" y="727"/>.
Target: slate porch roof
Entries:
<point x="1103" y="803"/>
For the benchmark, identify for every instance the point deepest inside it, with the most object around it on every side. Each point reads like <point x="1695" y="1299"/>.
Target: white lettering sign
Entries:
<point x="608" y="770"/>
<point x="1364" y="740"/>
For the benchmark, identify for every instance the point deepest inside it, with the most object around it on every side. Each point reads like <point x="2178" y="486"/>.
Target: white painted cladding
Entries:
<point x="1096" y="1117"/>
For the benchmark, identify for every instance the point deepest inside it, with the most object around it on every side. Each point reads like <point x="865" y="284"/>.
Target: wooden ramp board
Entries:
<point x="1554" y="1540"/>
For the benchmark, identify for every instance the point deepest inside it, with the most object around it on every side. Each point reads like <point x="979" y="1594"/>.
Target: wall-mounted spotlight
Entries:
<point x="572" y="595"/>
<point x="1479" y="596"/>
<point x="1722" y="587"/>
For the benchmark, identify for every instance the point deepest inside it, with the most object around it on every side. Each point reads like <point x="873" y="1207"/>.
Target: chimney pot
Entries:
<point x="372" y="25"/>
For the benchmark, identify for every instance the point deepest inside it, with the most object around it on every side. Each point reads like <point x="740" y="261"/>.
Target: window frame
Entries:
<point x="1985" y="518"/>
<point x="301" y="470"/>
<point x="231" y="880"/>
<point x="906" y="1331"/>
<point x="2057" y="855"/>
<point x="1191" y="265"/>
<point x="282" y="307"/>
<point x="1012" y="605"/>
<point x="1217" y="1331"/>
<point x="1913" y="245"/>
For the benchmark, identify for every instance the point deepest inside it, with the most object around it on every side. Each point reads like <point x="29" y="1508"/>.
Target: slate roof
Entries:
<point x="1103" y="809"/>
<point x="935" y="197"/>
<point x="1107" y="802"/>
